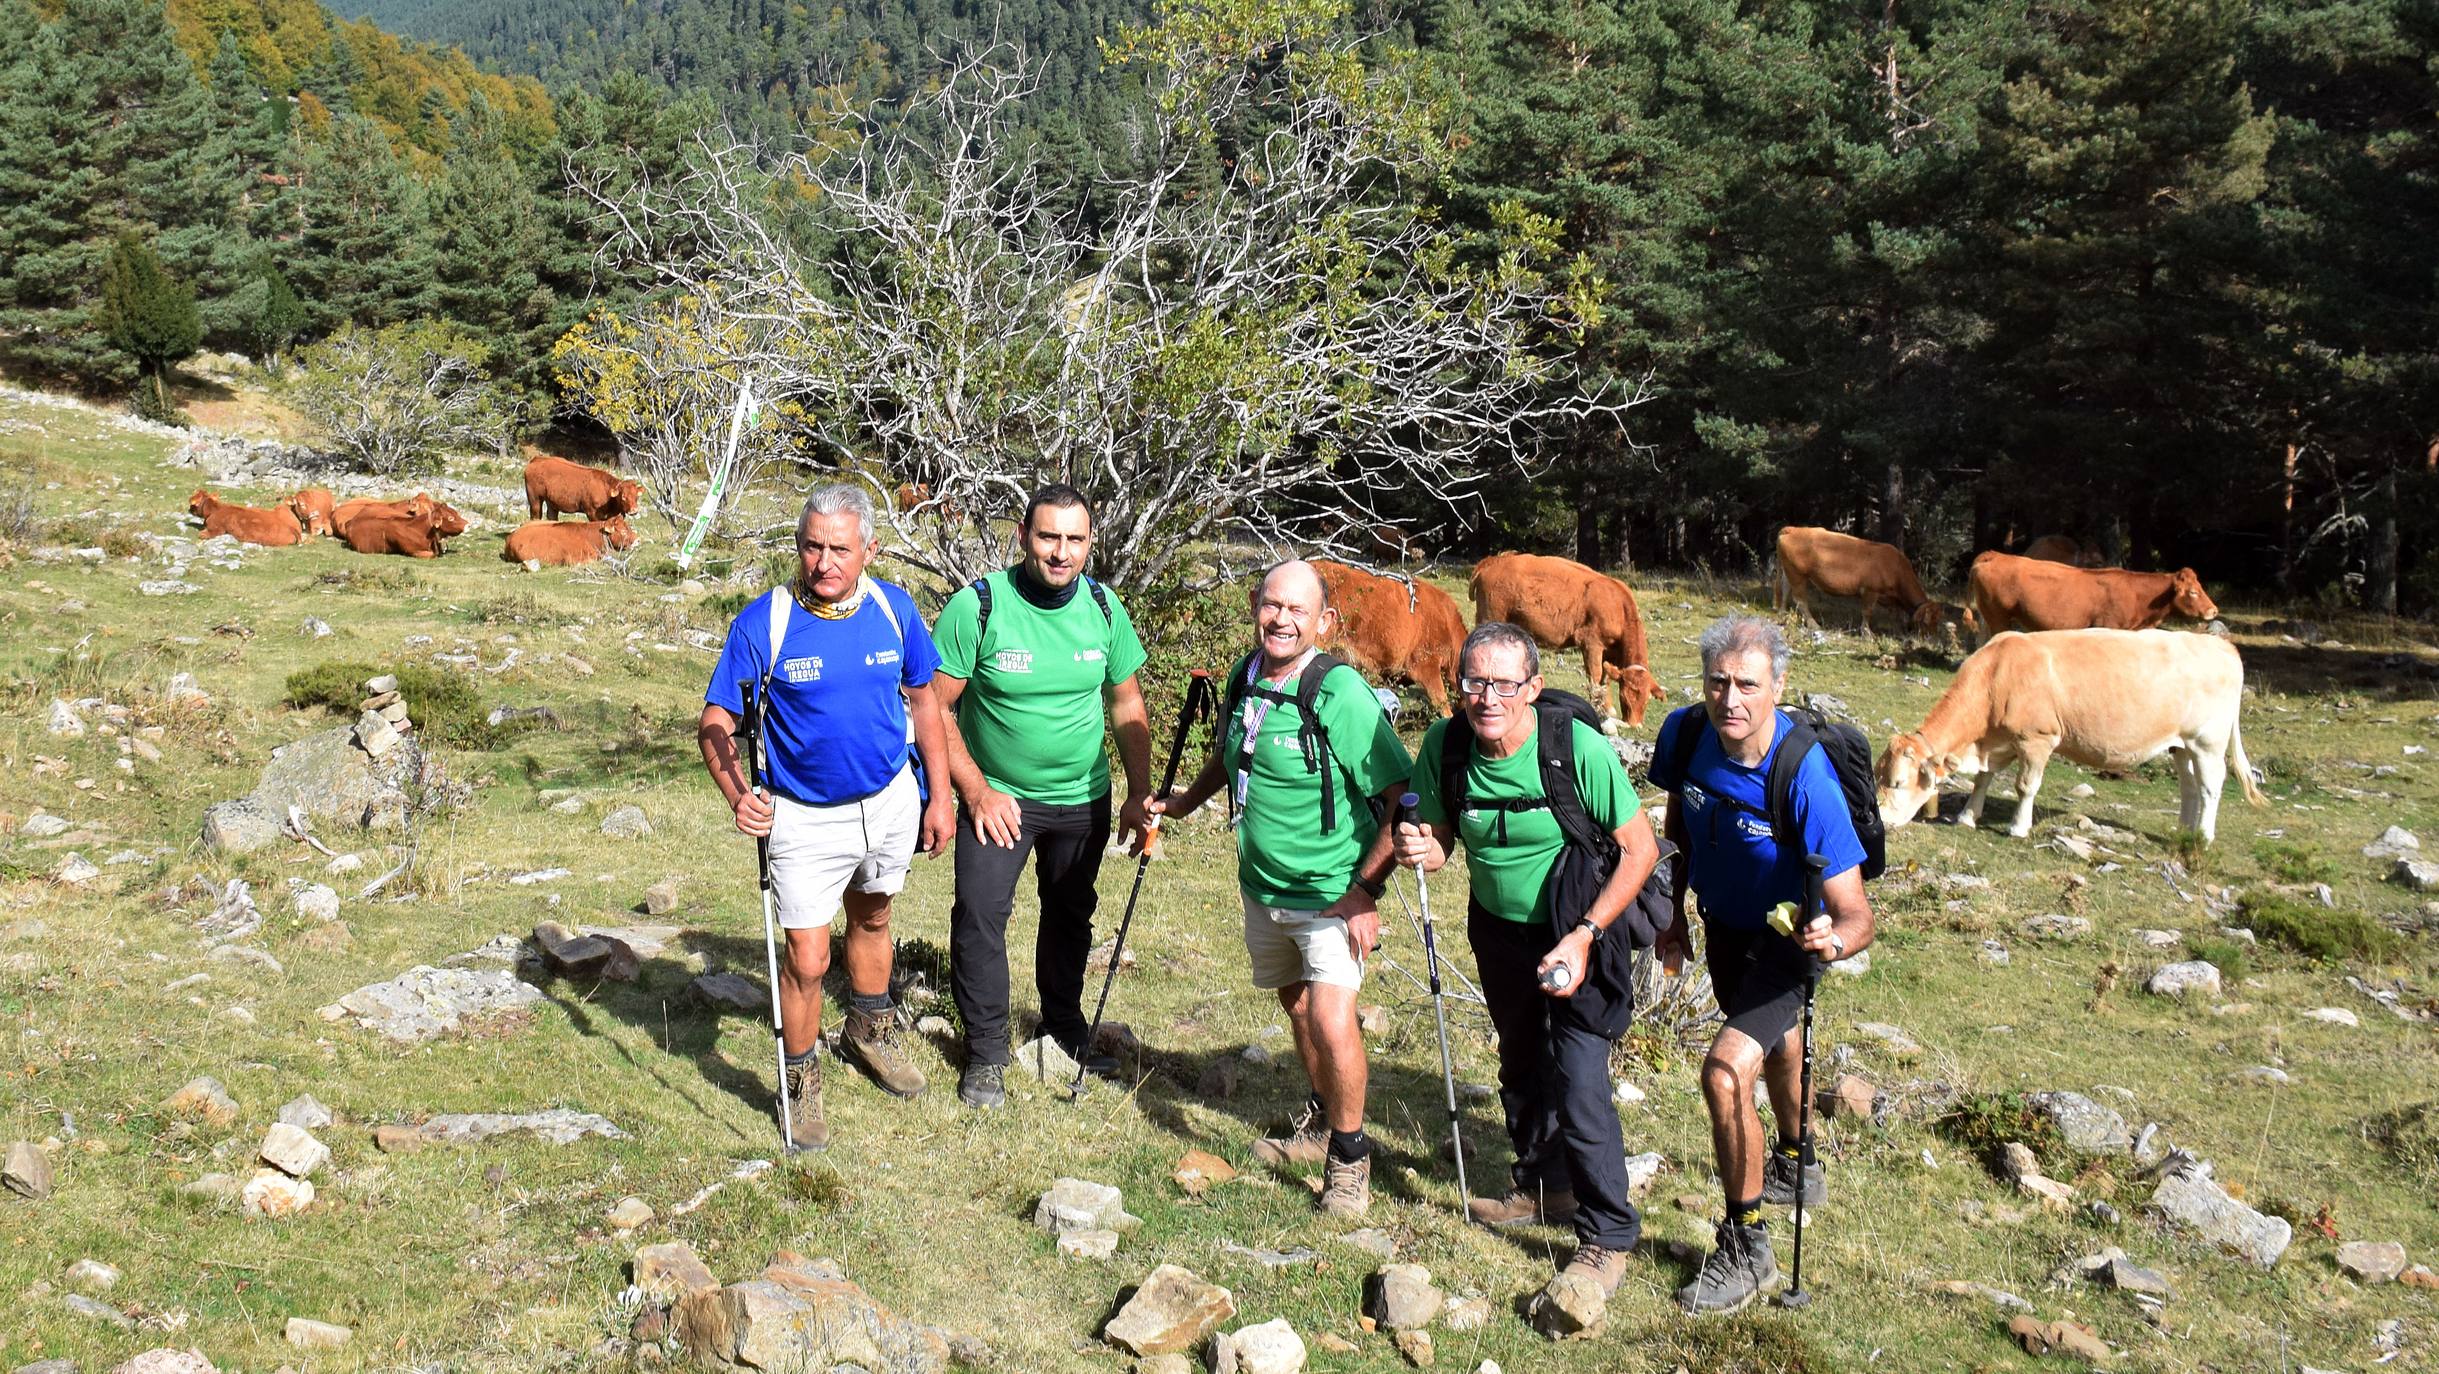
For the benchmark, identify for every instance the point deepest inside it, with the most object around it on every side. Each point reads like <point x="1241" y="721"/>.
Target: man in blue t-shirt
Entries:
<point x="850" y="673"/>
<point x="1719" y="817"/>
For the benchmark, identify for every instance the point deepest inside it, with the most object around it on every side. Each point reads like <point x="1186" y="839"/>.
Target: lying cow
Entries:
<point x="1386" y="633"/>
<point x="2107" y="699"/>
<point x="555" y="486"/>
<point x="447" y="523"/>
<point x="1870" y="571"/>
<point x="276" y="527"/>
<point x="409" y="536"/>
<point x="1564" y="604"/>
<point x="2064" y="548"/>
<point x="555" y="544"/>
<point x="312" y="507"/>
<point x="2005" y="592"/>
<point x="345" y="513"/>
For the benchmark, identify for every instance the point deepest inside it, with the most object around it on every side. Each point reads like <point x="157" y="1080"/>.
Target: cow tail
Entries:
<point x="2244" y="766"/>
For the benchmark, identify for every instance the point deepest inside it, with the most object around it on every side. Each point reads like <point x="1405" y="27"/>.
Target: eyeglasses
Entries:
<point x="1488" y="687"/>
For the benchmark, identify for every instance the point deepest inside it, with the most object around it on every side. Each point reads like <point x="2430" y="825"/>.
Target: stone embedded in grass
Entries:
<point x="425" y="1002"/>
<point x="1891" y="1040"/>
<point x="557" y="1126"/>
<point x="788" y="1320"/>
<point x="307" y="1334"/>
<point x="2335" y="1016"/>
<point x="1569" y="1307"/>
<point x="2055" y="926"/>
<point x="1415" y="1344"/>
<point x="1996" y="1297"/>
<point x="92" y="1276"/>
<point x="2086" y="1126"/>
<point x="167" y="1360"/>
<point x="661" y="898"/>
<point x="1173" y="1309"/>
<point x="315" y="902"/>
<point x="587" y="957"/>
<point x="2395" y="842"/>
<point x="1852" y="1095"/>
<point x="203" y="1098"/>
<point x="271" y="1193"/>
<point x="2416" y="874"/>
<point x="2060" y="1338"/>
<point x="1993" y="953"/>
<point x="64" y="722"/>
<point x="734" y="991"/>
<point x="93" y="1310"/>
<point x="1074" y="1204"/>
<point x="1273" y="1347"/>
<point x="1042" y="1060"/>
<point x="303" y="1110"/>
<point x="1471" y="1312"/>
<point x="2261" y="1076"/>
<point x="626" y="823"/>
<point x="292" y="1150"/>
<point x="1092" y="1244"/>
<point x="2184" y="979"/>
<point x="1642" y="1170"/>
<point x="42" y="825"/>
<point x="670" y="1271"/>
<point x="76" y="869"/>
<point x="629" y="1214"/>
<point x="1199" y="1171"/>
<point x="2367" y="1261"/>
<point x="1401" y="1297"/>
<point x="2188" y="1196"/>
<point x="2160" y="939"/>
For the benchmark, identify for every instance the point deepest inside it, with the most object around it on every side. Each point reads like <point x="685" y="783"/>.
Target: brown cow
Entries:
<point x="276" y="526"/>
<point x="312" y="506"/>
<point x="1562" y="603"/>
<point x="2106" y="699"/>
<point x="447" y="523"/>
<point x="1843" y="565"/>
<point x="2010" y="593"/>
<point x="1386" y="633"/>
<point x="555" y="486"/>
<point x="578" y="541"/>
<point x="345" y="513"/>
<point x="407" y="536"/>
<point x="2064" y="548"/>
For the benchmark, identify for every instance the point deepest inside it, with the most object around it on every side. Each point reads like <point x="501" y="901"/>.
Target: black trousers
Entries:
<point x="1066" y="843"/>
<point x="1553" y="1084"/>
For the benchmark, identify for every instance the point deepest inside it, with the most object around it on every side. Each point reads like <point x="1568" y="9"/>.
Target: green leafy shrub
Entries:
<point x="443" y="706"/>
<point x="2323" y="934"/>
<point x="2294" y="863"/>
<point x="2227" y="956"/>
<point x="2410" y="1135"/>
<point x="1980" y="1123"/>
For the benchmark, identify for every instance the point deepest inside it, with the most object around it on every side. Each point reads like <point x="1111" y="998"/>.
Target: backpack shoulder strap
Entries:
<point x="1803" y="736"/>
<point x="782" y="602"/>
<point x="1100" y="598"/>
<point x="982" y="612"/>
<point x="1554" y="741"/>
<point x="889" y="613"/>
<point x="1455" y="743"/>
<point x="1689" y="739"/>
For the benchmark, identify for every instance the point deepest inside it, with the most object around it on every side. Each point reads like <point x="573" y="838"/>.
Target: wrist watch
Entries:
<point x="1371" y="888"/>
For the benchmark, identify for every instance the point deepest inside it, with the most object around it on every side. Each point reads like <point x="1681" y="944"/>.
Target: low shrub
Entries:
<point x="443" y="706"/>
<point x="2323" y="934"/>
<point x="2410" y="1136"/>
<point x="2294" y="863"/>
<point x="2227" y="956"/>
<point x="1982" y="1122"/>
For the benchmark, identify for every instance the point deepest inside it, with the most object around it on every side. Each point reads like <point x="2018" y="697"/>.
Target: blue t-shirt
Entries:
<point x="835" y="724"/>
<point x="1733" y="863"/>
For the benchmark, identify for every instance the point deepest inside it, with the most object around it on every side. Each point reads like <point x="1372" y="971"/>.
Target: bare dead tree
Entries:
<point x="399" y="397"/>
<point x="1252" y="340"/>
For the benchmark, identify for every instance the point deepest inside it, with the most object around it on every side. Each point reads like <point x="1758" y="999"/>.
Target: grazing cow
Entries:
<point x="276" y="527"/>
<point x="409" y="536"/>
<point x="2107" y="699"/>
<point x="555" y="486"/>
<point x="2005" y="592"/>
<point x="2064" y="548"/>
<point x="313" y="509"/>
<point x="913" y="494"/>
<point x="1562" y="603"/>
<point x="1386" y="633"/>
<point x="1843" y="565"/>
<point x="345" y="513"/>
<point x="578" y="541"/>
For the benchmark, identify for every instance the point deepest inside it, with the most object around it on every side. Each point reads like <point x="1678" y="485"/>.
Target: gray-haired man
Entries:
<point x="842" y="663"/>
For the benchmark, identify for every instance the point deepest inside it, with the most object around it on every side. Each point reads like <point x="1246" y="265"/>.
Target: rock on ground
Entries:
<point x="303" y="1110"/>
<point x="585" y="957"/>
<point x="558" y="1126"/>
<point x="661" y="898"/>
<point x="316" y="902"/>
<point x="167" y="1361"/>
<point x="28" y="1171"/>
<point x="425" y="1002"/>
<point x="1401" y="1297"/>
<point x="733" y="991"/>
<point x="2372" y="1261"/>
<point x="327" y="777"/>
<point x="2184" y="979"/>
<point x="2416" y="874"/>
<point x="790" y="1318"/>
<point x="628" y="1214"/>
<point x="2086" y="1126"/>
<point x="671" y="1271"/>
<point x="271" y="1193"/>
<point x="1075" y="1204"/>
<point x="292" y="1150"/>
<point x="203" y="1097"/>
<point x="308" y="1334"/>
<point x="1569" y="1307"/>
<point x="2188" y="1196"/>
<point x="1273" y="1347"/>
<point x="92" y="1276"/>
<point x="1172" y="1310"/>
<point x="2394" y="842"/>
<point x="2058" y="927"/>
<point x="626" y="823"/>
<point x="1093" y="1244"/>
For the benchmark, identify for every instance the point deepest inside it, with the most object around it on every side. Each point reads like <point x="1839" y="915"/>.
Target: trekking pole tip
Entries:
<point x="1795" y="1299"/>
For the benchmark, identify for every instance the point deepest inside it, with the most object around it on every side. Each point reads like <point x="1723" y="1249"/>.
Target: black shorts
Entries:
<point x="1758" y="977"/>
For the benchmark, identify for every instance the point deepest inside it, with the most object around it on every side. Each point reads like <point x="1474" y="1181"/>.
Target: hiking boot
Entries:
<point x="1555" y="1206"/>
<point x="872" y="1041"/>
<point x="1346" y="1186"/>
<point x="1601" y="1264"/>
<point x="806" y="1126"/>
<point x="1740" y="1268"/>
<point x="982" y="1085"/>
<point x="1307" y="1141"/>
<point x="1778" y="1182"/>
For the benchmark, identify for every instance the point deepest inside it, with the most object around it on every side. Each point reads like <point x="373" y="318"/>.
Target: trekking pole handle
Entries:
<point x="1816" y="900"/>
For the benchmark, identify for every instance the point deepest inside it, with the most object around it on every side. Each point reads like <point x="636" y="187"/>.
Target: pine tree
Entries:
<point x="365" y="250"/>
<point x="488" y="234"/>
<point x="53" y="232"/>
<point x="150" y="317"/>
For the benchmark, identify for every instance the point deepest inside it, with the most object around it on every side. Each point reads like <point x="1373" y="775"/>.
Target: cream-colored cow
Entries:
<point x="2106" y="699"/>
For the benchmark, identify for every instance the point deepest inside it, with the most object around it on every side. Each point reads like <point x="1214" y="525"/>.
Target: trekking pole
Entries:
<point x="1439" y="1012"/>
<point x="1814" y="905"/>
<point x="770" y="936"/>
<point x="1197" y="707"/>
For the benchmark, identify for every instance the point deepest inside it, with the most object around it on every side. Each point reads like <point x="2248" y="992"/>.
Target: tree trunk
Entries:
<point x="1587" y="528"/>
<point x="2380" y="568"/>
<point x="1892" y="505"/>
<point x="2286" y="523"/>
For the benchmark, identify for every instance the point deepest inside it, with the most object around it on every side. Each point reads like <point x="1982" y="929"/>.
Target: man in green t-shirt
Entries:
<point x="1553" y="1066"/>
<point x="1030" y="661"/>
<point x="1312" y="856"/>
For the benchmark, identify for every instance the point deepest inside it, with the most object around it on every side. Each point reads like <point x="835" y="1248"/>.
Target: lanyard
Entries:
<point x="1256" y="711"/>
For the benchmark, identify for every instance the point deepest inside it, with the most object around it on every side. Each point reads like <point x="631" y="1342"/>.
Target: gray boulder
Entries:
<point x="328" y="777"/>
<point x="2190" y="1198"/>
<point x="425" y="1002"/>
<point x="2184" y="979"/>
<point x="2395" y="842"/>
<point x="2086" y="1126"/>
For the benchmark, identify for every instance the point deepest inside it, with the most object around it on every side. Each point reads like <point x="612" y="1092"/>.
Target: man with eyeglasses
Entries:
<point x="1553" y="1066"/>
<point x="1719" y="817"/>
<point x="1312" y="857"/>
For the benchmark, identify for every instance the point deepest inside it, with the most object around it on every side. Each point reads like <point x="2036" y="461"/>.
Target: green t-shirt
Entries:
<point x="1282" y="856"/>
<point x="1508" y="873"/>
<point x="1032" y="712"/>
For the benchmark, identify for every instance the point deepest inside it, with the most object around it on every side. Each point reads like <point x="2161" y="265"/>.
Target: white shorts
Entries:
<point x="818" y="852"/>
<point x="1291" y="946"/>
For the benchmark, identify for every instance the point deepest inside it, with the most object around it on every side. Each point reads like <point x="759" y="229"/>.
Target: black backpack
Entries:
<point x="1849" y="752"/>
<point x="982" y="598"/>
<point x="1584" y="865"/>
<point x="1311" y="736"/>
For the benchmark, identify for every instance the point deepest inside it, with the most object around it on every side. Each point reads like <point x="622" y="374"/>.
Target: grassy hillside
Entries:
<point x="497" y="1256"/>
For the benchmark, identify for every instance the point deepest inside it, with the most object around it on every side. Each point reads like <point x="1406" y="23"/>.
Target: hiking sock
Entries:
<point x="871" y="1004"/>
<point x="1350" y="1146"/>
<point x="1797" y="1150"/>
<point x="807" y="1057"/>
<point x="1744" y="1211"/>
